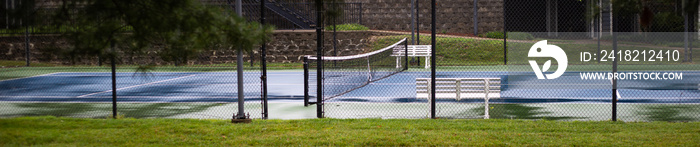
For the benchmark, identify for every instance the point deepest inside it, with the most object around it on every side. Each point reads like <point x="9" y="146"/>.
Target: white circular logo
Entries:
<point x="542" y="49"/>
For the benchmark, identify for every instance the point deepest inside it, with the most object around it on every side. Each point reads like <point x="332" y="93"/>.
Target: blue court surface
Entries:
<point x="154" y="87"/>
<point x="287" y="86"/>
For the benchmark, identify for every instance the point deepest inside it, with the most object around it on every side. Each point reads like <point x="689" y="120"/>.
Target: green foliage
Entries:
<point x="348" y="27"/>
<point x="497" y="35"/>
<point x="511" y="35"/>
<point x="520" y="36"/>
<point x="626" y="7"/>
<point x="667" y="22"/>
<point x="456" y="51"/>
<point x="56" y="131"/>
<point x="180" y="28"/>
<point x="9" y="63"/>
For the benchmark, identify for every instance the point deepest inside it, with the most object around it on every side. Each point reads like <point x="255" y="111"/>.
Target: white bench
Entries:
<point x="413" y="51"/>
<point x="461" y="88"/>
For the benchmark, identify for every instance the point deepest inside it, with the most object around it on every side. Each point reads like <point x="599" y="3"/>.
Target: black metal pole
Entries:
<point x="335" y="28"/>
<point x="319" y="60"/>
<point x="263" y="61"/>
<point x="614" y="70"/>
<point x="114" y="81"/>
<point x="239" y="72"/>
<point x="360" y="13"/>
<point x="505" y="34"/>
<point x="26" y="44"/>
<point x="432" y="61"/>
<point x="306" y="81"/>
<point x="405" y="49"/>
<point x="418" y="28"/>
<point x="685" y="33"/>
<point x="418" y="25"/>
<point x="476" y="17"/>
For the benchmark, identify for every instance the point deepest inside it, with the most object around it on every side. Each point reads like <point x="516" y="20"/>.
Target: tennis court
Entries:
<point x="153" y="87"/>
<point x="391" y="97"/>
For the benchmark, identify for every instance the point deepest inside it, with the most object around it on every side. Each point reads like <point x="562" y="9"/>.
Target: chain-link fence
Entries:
<point x="43" y="74"/>
<point x="479" y="74"/>
<point x="613" y="53"/>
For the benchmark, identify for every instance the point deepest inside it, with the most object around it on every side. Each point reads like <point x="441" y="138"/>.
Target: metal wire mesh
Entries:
<point x="44" y="75"/>
<point x="482" y="75"/>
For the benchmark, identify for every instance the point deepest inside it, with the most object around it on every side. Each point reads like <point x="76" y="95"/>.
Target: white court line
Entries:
<point x="169" y="97"/>
<point x="137" y="86"/>
<point x="159" y="74"/>
<point x="48" y="74"/>
<point x="227" y="84"/>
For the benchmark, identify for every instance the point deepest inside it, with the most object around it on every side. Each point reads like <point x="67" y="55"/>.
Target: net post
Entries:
<point x="306" y="81"/>
<point x="405" y="49"/>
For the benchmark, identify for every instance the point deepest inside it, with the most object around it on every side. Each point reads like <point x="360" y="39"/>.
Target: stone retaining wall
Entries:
<point x="453" y="16"/>
<point x="285" y="47"/>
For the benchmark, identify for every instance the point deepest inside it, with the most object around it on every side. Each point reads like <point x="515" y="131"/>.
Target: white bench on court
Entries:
<point x="413" y="51"/>
<point x="461" y="88"/>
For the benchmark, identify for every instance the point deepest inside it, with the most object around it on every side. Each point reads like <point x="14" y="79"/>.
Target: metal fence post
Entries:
<point x="614" y="70"/>
<point x="361" y="14"/>
<point x="263" y="62"/>
<point x="306" y="81"/>
<point x="505" y="32"/>
<point x="26" y="44"/>
<point x="476" y="17"/>
<point x="114" y="81"/>
<point x="319" y="61"/>
<point x="432" y="58"/>
<point x="405" y="49"/>
<point x="418" y="29"/>
<point x="685" y="33"/>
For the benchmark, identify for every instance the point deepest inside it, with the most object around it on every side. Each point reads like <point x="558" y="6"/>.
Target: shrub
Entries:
<point x="497" y="35"/>
<point x="520" y="36"/>
<point x="511" y="35"/>
<point x="348" y="27"/>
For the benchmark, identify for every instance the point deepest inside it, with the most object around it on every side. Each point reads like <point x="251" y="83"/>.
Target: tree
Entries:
<point x="333" y="13"/>
<point x="181" y="28"/>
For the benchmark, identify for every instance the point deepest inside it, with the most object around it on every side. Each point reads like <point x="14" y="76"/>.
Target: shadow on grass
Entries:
<point x="160" y="110"/>
<point x="97" y="110"/>
<point x="673" y="113"/>
<point x="518" y="111"/>
<point x="59" y="110"/>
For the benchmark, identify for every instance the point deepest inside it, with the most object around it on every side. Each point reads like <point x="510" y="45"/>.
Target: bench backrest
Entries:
<point x="459" y="88"/>
<point x="413" y="51"/>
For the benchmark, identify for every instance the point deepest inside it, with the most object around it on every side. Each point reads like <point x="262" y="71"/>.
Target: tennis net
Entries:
<point x="343" y="74"/>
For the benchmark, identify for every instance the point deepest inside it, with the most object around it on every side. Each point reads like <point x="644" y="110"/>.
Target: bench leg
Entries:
<point x="487" y="87"/>
<point x="427" y="62"/>
<point x="486" y="108"/>
<point x="398" y="65"/>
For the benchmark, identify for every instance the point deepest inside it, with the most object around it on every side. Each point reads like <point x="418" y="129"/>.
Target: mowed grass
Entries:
<point x="52" y="131"/>
<point x="454" y="51"/>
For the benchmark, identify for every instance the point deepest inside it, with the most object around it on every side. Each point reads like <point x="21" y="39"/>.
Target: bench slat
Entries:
<point x="459" y="88"/>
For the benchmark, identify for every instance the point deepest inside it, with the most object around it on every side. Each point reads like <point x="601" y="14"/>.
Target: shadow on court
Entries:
<point x="91" y="110"/>
<point x="519" y="111"/>
<point x="673" y="113"/>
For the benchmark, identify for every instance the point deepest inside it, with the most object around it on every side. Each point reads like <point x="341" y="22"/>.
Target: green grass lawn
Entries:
<point x="52" y="131"/>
